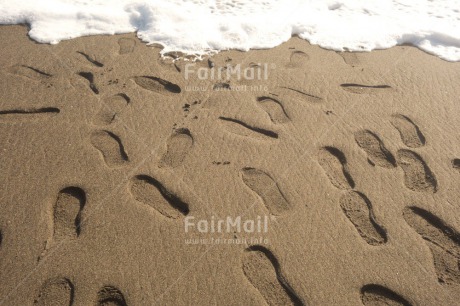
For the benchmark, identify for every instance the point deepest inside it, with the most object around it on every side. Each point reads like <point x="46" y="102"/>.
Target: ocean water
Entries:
<point x="206" y="26"/>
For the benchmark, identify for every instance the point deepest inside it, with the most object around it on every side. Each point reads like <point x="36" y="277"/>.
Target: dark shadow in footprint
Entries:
<point x="263" y="271"/>
<point x="265" y="187"/>
<point x="55" y="291"/>
<point x="28" y="114"/>
<point x="243" y="129"/>
<point x="91" y="60"/>
<point x="363" y="89"/>
<point x="408" y="130"/>
<point x="157" y="85"/>
<point x="111" y="107"/>
<point x="29" y="72"/>
<point x="126" y="45"/>
<point x="110" y="147"/>
<point x="358" y="210"/>
<point x="375" y="149"/>
<point x="90" y="78"/>
<point x="67" y="213"/>
<point x="334" y="163"/>
<point x="376" y="295"/>
<point x="443" y="241"/>
<point x="148" y="190"/>
<point x="274" y="109"/>
<point x="110" y="296"/>
<point x="417" y="175"/>
<point x="178" y="146"/>
<point x="221" y="86"/>
<point x="456" y="163"/>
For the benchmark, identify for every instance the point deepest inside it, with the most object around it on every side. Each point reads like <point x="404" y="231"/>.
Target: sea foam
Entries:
<point x="204" y="26"/>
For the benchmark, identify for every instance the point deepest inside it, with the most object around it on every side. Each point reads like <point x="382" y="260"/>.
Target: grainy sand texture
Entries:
<point x="119" y="171"/>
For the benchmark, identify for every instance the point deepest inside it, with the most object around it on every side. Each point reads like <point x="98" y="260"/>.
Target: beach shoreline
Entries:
<point x="342" y="169"/>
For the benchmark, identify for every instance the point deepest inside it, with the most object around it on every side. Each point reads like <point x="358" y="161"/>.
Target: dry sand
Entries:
<point x="104" y="151"/>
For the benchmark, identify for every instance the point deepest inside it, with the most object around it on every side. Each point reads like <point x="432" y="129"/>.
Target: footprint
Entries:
<point x="90" y="78"/>
<point x="148" y="190"/>
<point x="126" y="45"/>
<point x="363" y="89"/>
<point x="111" y="107"/>
<point x="55" y="291"/>
<point x="29" y="72"/>
<point x="110" y="147"/>
<point x="456" y="163"/>
<point x="157" y="85"/>
<point x="67" y="213"/>
<point x="350" y="58"/>
<point x="257" y="71"/>
<point x="263" y="271"/>
<point x="240" y="128"/>
<point x="409" y="131"/>
<point x="266" y="188"/>
<point x="297" y="59"/>
<point x="334" y="163"/>
<point x="375" y="149"/>
<point x="274" y="109"/>
<point x="376" y="295"/>
<point x="303" y="95"/>
<point x="28" y="114"/>
<point x="443" y="241"/>
<point x="358" y="210"/>
<point x="178" y="146"/>
<point x="110" y="296"/>
<point x="417" y="175"/>
<point x="91" y="60"/>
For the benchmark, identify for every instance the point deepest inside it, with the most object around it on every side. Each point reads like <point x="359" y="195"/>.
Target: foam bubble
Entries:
<point x="206" y="26"/>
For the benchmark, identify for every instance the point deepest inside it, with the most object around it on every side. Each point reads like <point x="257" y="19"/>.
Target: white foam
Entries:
<point x="205" y="26"/>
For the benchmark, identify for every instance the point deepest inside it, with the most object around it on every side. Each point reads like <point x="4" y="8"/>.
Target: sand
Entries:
<point x="105" y="150"/>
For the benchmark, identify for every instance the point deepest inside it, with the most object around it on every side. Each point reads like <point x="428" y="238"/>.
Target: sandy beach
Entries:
<point x="120" y="171"/>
